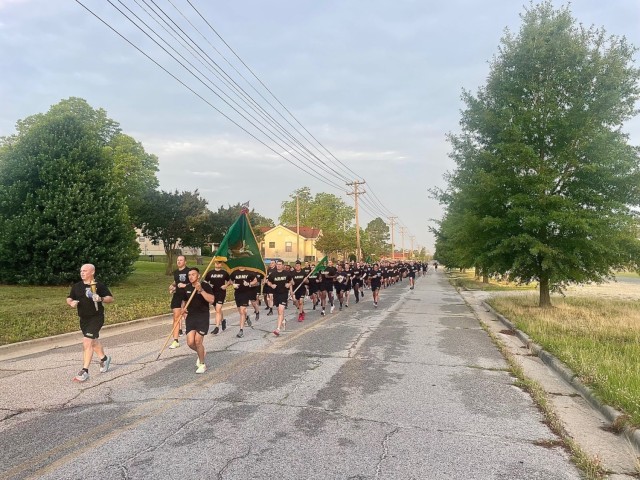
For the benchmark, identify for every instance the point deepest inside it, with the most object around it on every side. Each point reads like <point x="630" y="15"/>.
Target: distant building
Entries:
<point x="282" y="242"/>
<point x="147" y="247"/>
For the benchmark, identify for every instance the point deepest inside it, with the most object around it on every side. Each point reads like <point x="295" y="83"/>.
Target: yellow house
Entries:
<point x="283" y="242"/>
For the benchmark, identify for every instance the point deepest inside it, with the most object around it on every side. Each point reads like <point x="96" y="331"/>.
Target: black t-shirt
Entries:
<point x="239" y="277"/>
<point x="181" y="276"/>
<point x="376" y="277"/>
<point x="217" y="278"/>
<point x="329" y="273"/>
<point x="298" y="277"/>
<point x="280" y="279"/>
<point x="199" y="307"/>
<point x="86" y="306"/>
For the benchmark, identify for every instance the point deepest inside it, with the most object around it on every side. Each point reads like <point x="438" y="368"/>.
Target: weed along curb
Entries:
<point x="616" y="418"/>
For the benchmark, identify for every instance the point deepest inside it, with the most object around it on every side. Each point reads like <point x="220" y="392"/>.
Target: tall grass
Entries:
<point x="599" y="339"/>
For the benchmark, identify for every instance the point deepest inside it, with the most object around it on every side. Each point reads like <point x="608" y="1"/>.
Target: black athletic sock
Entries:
<point x="86" y="370"/>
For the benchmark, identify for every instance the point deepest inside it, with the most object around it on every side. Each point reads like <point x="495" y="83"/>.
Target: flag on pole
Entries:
<point x="368" y="259"/>
<point x="239" y="247"/>
<point x="322" y="264"/>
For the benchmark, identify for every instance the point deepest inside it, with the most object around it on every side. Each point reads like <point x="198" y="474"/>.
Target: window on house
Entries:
<point x="288" y="246"/>
<point x="272" y="244"/>
<point x="141" y="239"/>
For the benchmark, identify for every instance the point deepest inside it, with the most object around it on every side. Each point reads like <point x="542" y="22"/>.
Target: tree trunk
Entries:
<point x="545" y="296"/>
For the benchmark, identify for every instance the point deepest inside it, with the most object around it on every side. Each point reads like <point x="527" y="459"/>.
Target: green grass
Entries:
<point x="28" y="312"/>
<point x="599" y="339"/>
<point x="468" y="281"/>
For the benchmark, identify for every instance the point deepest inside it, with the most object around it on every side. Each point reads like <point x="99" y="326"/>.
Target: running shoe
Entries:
<point x="299" y="317"/>
<point x="257" y="316"/>
<point x="174" y="344"/>
<point x="322" y="312"/>
<point x="303" y="315"/>
<point x="201" y="368"/>
<point x="270" y="312"/>
<point x="224" y="324"/>
<point x="82" y="376"/>
<point x="240" y="334"/>
<point x="215" y="331"/>
<point x="248" y="321"/>
<point x="375" y="304"/>
<point x="314" y="306"/>
<point x="104" y="366"/>
<point x="276" y="332"/>
<point x="332" y="308"/>
<point x="346" y="305"/>
<point x="340" y="306"/>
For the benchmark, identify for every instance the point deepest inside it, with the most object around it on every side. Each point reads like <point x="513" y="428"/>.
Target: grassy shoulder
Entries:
<point x="598" y="338"/>
<point x="468" y="281"/>
<point x="28" y="312"/>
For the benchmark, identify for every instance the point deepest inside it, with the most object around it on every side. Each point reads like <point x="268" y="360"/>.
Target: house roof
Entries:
<point x="305" y="232"/>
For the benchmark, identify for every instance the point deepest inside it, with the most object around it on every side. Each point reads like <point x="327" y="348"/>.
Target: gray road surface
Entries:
<point x="411" y="390"/>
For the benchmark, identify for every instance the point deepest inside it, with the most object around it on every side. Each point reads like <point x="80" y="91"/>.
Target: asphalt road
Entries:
<point x="411" y="390"/>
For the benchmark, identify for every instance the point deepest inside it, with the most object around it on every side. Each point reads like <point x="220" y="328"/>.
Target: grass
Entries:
<point x="468" y="281"/>
<point x="32" y="312"/>
<point x="599" y="339"/>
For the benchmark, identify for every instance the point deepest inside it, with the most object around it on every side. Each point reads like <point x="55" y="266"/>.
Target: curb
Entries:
<point x="610" y="413"/>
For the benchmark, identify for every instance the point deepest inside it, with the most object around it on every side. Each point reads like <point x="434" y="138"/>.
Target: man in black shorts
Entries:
<point x="242" y="281"/>
<point x="197" y="320"/>
<point x="280" y="281"/>
<point x="299" y="291"/>
<point x="328" y="275"/>
<point x="180" y="281"/>
<point x="375" y="280"/>
<point x="88" y="296"/>
<point x="218" y="278"/>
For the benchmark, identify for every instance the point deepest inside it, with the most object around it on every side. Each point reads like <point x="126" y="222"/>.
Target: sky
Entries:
<point x="377" y="83"/>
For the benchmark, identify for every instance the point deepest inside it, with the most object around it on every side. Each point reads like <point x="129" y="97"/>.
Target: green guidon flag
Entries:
<point x="239" y="247"/>
<point x="322" y="264"/>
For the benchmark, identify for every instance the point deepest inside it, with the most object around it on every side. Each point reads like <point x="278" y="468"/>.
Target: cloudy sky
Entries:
<point x="376" y="82"/>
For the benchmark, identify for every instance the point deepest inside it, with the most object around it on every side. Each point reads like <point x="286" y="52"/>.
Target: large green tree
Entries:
<point x="546" y="183"/>
<point x="375" y="238"/>
<point x="324" y="211"/>
<point x="59" y="205"/>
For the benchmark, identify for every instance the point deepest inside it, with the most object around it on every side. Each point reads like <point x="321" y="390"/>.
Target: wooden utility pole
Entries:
<point x="297" y="228"/>
<point x="392" y="220"/>
<point x="411" y="237"/>
<point x="402" y="230"/>
<point x="355" y="184"/>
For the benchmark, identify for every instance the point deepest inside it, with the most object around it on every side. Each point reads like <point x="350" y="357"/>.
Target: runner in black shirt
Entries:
<point x="197" y="320"/>
<point x="218" y="278"/>
<point x="326" y="287"/>
<point x="280" y="281"/>
<point x="375" y="280"/>
<point x="180" y="281"/>
<point x="299" y="283"/>
<point x="242" y="281"/>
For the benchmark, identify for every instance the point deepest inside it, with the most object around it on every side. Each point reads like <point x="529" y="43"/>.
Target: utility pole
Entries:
<point x="355" y="184"/>
<point x="297" y="228"/>
<point x="402" y="230"/>
<point x="392" y="220"/>
<point x="411" y="237"/>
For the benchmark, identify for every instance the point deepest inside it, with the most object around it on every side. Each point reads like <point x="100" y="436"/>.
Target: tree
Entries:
<point x="59" y="207"/>
<point x="333" y="242"/>
<point x="324" y="211"/>
<point x="218" y="223"/>
<point x="375" y="240"/>
<point x="134" y="172"/>
<point x="546" y="184"/>
<point x="175" y="218"/>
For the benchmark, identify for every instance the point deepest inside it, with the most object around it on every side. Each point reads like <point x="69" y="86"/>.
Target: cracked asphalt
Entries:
<point x="411" y="390"/>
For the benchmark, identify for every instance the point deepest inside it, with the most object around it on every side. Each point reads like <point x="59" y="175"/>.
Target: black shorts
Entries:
<point x="326" y="287"/>
<point x="91" y="326"/>
<point x="313" y="289"/>
<point x="280" y="299"/>
<point x="301" y="292"/>
<point x="375" y="286"/>
<point x="219" y="296"/>
<point x="242" y="299"/>
<point x="267" y="290"/>
<point x="176" y="300"/>
<point x="411" y="274"/>
<point x="198" y="323"/>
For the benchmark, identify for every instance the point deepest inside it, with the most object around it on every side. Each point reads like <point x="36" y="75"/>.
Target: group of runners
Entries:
<point x="281" y="286"/>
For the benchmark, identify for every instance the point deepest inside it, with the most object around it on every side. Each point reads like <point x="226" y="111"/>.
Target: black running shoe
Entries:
<point x="257" y="316"/>
<point x="248" y="321"/>
<point x="240" y="334"/>
<point x="270" y="312"/>
<point x="215" y="331"/>
<point x="224" y="324"/>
